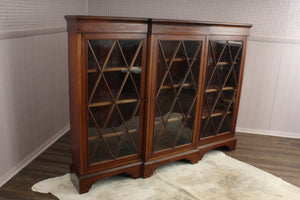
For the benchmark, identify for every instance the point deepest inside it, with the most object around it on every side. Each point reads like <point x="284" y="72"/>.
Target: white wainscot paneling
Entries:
<point x="286" y="111"/>
<point x="259" y="85"/>
<point x="33" y="95"/>
<point x="271" y="90"/>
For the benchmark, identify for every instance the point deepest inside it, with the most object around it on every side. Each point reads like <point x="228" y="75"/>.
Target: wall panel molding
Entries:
<point x="51" y="30"/>
<point x="274" y="39"/>
<point x="30" y="32"/>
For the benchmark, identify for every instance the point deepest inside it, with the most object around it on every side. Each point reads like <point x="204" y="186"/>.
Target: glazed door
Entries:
<point x="221" y="86"/>
<point x="175" y="91"/>
<point x="115" y="71"/>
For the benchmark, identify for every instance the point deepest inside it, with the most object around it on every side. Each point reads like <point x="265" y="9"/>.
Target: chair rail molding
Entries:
<point x="31" y="32"/>
<point x="275" y="39"/>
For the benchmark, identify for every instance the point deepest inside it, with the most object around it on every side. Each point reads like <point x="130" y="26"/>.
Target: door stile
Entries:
<point x="201" y="89"/>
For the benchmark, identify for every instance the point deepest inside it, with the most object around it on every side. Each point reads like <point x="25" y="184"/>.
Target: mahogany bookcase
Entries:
<point x="144" y="92"/>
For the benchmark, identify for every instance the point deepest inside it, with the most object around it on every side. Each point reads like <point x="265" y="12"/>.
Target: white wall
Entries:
<point x="269" y="17"/>
<point x="20" y="15"/>
<point x="34" y="109"/>
<point x="271" y="88"/>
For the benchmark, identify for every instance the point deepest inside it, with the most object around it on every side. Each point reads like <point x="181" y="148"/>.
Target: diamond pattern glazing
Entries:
<point x="222" y="72"/>
<point x="114" y="98"/>
<point x="176" y="93"/>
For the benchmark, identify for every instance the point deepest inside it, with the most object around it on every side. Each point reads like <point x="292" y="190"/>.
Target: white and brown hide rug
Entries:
<point x="215" y="177"/>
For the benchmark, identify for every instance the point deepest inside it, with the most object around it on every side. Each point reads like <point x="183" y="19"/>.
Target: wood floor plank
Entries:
<point x="278" y="156"/>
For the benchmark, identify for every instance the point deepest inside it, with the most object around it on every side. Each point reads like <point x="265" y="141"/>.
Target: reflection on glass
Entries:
<point x="222" y="74"/>
<point x="114" y="74"/>
<point x="176" y="93"/>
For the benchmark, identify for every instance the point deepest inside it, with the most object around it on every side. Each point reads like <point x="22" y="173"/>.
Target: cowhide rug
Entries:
<point x="215" y="177"/>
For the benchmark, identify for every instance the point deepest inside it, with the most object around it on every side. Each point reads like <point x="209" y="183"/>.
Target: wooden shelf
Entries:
<point x="174" y="119"/>
<point x="216" y="114"/>
<point x="221" y="63"/>
<point x="106" y="103"/>
<point x="134" y="69"/>
<point x="180" y="59"/>
<point x="114" y="134"/>
<point x="217" y="90"/>
<point x="176" y="85"/>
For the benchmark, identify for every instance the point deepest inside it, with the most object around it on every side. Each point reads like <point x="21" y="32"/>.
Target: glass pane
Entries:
<point x="114" y="73"/>
<point x="222" y="73"/>
<point x="176" y="93"/>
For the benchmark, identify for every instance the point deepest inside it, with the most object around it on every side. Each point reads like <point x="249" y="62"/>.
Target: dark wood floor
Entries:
<point x="279" y="156"/>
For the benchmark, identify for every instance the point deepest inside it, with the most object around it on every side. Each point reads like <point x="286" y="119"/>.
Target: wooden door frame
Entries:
<point x="152" y="58"/>
<point x="225" y="136"/>
<point x="126" y="160"/>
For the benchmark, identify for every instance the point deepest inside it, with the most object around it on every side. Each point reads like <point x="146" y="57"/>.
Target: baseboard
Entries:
<point x="269" y="132"/>
<point x="14" y="170"/>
